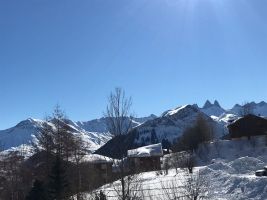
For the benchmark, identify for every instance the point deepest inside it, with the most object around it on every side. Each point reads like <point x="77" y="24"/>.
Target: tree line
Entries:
<point x="55" y="171"/>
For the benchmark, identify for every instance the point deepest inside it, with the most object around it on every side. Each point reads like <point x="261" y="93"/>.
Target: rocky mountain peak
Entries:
<point x="262" y="103"/>
<point x="28" y="123"/>
<point x="216" y="103"/>
<point x="207" y="104"/>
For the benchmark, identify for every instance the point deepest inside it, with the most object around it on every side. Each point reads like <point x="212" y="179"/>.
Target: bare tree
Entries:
<point x="196" y="187"/>
<point x="176" y="160"/>
<point x="189" y="162"/>
<point x="201" y="132"/>
<point x="118" y="117"/>
<point x="15" y="178"/>
<point x="119" y="122"/>
<point x="172" y="189"/>
<point x="167" y="164"/>
<point x="183" y="160"/>
<point x="133" y="188"/>
<point x="79" y="149"/>
<point x="186" y="187"/>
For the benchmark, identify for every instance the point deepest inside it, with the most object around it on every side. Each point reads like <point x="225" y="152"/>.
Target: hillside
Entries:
<point x="168" y="127"/>
<point x="227" y="172"/>
<point x="25" y="131"/>
<point x="93" y="132"/>
<point x="99" y="125"/>
<point x="165" y="129"/>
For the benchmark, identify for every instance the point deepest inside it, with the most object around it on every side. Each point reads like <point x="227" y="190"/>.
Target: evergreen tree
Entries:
<point x="37" y="192"/>
<point x="154" y="138"/>
<point x="165" y="144"/>
<point x="57" y="186"/>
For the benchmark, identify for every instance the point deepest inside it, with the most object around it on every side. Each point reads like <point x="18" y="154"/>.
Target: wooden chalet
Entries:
<point x="101" y="164"/>
<point x="147" y="158"/>
<point x="248" y="126"/>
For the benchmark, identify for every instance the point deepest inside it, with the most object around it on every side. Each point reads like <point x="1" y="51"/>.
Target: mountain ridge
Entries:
<point x="170" y="122"/>
<point x="169" y="126"/>
<point x="24" y="132"/>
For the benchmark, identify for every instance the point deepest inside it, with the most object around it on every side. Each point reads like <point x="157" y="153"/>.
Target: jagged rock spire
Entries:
<point x="207" y="104"/>
<point x="216" y="103"/>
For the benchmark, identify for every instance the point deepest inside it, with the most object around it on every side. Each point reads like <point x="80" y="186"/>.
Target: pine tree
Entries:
<point x="154" y="138"/>
<point x="37" y="192"/>
<point x="57" y="185"/>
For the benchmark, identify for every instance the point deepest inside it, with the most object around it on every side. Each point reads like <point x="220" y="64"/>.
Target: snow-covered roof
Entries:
<point x="95" y="158"/>
<point x="146" y="151"/>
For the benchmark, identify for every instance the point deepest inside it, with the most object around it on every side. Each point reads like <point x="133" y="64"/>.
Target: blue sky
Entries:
<point x="164" y="53"/>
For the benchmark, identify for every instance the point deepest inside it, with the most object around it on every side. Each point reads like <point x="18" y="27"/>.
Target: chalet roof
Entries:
<point x="96" y="158"/>
<point x="146" y="151"/>
<point x="249" y="125"/>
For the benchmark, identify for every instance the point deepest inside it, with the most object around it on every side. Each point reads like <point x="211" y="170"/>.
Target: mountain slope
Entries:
<point x="93" y="132"/>
<point x="20" y="134"/>
<point x="165" y="129"/>
<point x="255" y="108"/>
<point x="25" y="131"/>
<point x="225" y="117"/>
<point x="99" y="125"/>
<point x="172" y="124"/>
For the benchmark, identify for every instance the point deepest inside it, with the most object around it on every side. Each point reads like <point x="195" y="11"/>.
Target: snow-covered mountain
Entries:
<point x="255" y="108"/>
<point x="93" y="132"/>
<point x="165" y="129"/>
<point x="99" y="125"/>
<point x="24" y="133"/>
<point x="20" y="134"/>
<point x="172" y="124"/>
<point x="227" y="116"/>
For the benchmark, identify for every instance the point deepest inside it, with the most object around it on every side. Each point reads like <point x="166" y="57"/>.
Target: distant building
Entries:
<point x="101" y="164"/>
<point x="147" y="158"/>
<point x="248" y="126"/>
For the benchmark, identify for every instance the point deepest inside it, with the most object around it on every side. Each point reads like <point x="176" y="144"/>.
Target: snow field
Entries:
<point x="227" y="173"/>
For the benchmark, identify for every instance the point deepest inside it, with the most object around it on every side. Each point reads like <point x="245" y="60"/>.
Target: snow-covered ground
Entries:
<point x="226" y="173"/>
<point x="225" y="181"/>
